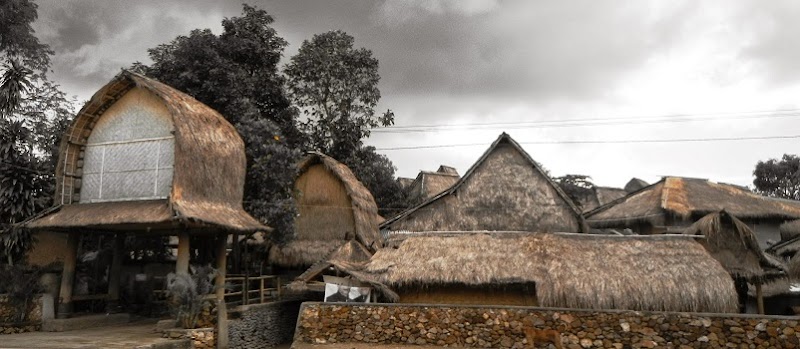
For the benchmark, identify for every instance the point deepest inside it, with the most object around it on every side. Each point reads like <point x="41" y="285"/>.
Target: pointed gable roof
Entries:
<point x="452" y="204"/>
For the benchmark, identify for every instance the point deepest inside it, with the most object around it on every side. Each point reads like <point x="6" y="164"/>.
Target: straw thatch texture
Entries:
<point x="735" y="246"/>
<point x="504" y="190"/>
<point x="600" y="196"/>
<point x="570" y="270"/>
<point x="333" y="206"/>
<point x="635" y="184"/>
<point x="688" y="198"/>
<point x="209" y="161"/>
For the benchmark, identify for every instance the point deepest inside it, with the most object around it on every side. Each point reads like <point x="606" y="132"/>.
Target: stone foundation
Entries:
<point x="8" y="312"/>
<point x="502" y="327"/>
<point x="263" y="325"/>
<point x="202" y="338"/>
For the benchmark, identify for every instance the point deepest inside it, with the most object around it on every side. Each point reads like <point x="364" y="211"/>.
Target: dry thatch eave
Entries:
<point x="736" y="247"/>
<point x="570" y="270"/>
<point x="687" y="198"/>
<point x="790" y="230"/>
<point x="209" y="162"/>
<point x="364" y="208"/>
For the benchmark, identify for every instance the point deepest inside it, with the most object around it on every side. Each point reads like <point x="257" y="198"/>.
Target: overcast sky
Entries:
<point x="640" y="69"/>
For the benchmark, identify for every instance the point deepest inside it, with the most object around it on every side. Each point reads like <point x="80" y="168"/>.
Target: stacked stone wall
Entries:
<point x="9" y="321"/>
<point x="201" y="338"/>
<point x="263" y="325"/>
<point x="502" y="327"/>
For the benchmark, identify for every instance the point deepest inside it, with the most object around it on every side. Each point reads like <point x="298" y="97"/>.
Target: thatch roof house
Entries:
<point x="429" y="183"/>
<point x="673" y="203"/>
<point x="333" y="206"/>
<point x="601" y="196"/>
<point x="735" y="246"/>
<point x="142" y="158"/>
<point x="669" y="273"/>
<point x="141" y="154"/>
<point x="504" y="190"/>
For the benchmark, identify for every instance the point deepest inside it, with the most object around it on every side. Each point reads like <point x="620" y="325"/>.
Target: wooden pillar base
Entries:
<point x="68" y="276"/>
<point x="222" y="311"/>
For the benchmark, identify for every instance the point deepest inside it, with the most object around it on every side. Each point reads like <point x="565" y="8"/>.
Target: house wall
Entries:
<point x="766" y="231"/>
<point x="49" y="248"/>
<point x="519" y="295"/>
<point x="502" y="327"/>
<point x="263" y="325"/>
<point x="504" y="193"/>
<point x="324" y="209"/>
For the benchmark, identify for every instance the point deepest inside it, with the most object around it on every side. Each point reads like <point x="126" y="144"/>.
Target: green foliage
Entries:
<point x="186" y="294"/>
<point x="577" y="187"/>
<point x="236" y="74"/>
<point x="33" y="115"/>
<point x="21" y="284"/>
<point x="336" y="86"/>
<point x="778" y="178"/>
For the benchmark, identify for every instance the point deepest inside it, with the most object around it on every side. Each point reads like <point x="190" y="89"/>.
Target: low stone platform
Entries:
<point x="85" y="322"/>
<point x="137" y="335"/>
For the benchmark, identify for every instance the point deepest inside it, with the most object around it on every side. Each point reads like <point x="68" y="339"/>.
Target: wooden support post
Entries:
<point x="182" y="263"/>
<point x="112" y="305"/>
<point x="759" y="297"/>
<point x="237" y="254"/>
<point x="246" y="290"/>
<point x="68" y="276"/>
<point x="278" y="286"/>
<point x="261" y="289"/>
<point x="222" y="312"/>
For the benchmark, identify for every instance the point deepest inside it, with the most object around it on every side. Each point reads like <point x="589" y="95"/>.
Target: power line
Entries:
<point x="594" y="121"/>
<point x="624" y="141"/>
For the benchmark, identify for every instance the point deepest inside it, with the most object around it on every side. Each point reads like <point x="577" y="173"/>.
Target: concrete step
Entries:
<point x="86" y="321"/>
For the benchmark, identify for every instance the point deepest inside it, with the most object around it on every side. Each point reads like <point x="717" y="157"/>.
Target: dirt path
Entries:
<point x="112" y="337"/>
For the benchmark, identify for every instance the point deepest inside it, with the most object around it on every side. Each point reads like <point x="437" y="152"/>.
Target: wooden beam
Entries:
<point x="759" y="297"/>
<point x="182" y="263"/>
<point x="68" y="276"/>
<point x="114" y="274"/>
<point x="222" y="311"/>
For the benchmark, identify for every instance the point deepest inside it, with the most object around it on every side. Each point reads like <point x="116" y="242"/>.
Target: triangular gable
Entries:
<point x="448" y="199"/>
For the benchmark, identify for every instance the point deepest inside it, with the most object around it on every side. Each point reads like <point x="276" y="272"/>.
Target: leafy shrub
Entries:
<point x="186" y="294"/>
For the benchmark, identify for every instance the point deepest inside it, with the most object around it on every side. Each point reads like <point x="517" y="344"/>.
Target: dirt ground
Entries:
<point x="112" y="337"/>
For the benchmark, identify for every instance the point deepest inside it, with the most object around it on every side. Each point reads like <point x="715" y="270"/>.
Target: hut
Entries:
<point x="600" y="196"/>
<point x="429" y="183"/>
<point x="659" y="273"/>
<point x="143" y="159"/>
<point x="333" y="206"/>
<point x="504" y="190"/>
<point x="673" y="203"/>
<point x="735" y="246"/>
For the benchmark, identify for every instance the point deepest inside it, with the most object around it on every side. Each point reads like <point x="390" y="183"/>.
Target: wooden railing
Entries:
<point x="245" y="289"/>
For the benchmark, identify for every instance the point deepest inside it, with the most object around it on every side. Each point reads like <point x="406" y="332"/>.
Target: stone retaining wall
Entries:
<point x="8" y="312"/>
<point x="263" y="325"/>
<point x="501" y="327"/>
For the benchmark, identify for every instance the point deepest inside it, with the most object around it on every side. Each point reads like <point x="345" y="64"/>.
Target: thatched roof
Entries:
<point x="790" y="230"/>
<point x="688" y="198"/>
<point x="669" y="273"/>
<point x="328" y="221"/>
<point x="601" y="196"/>
<point x="208" y="176"/>
<point x="428" y="184"/>
<point x="735" y="246"/>
<point x="504" y="190"/>
<point x="635" y="184"/>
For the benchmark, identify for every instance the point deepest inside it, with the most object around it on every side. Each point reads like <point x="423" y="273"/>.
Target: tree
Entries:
<point x="236" y="74"/>
<point x="336" y="87"/>
<point x="778" y="178"/>
<point x="33" y="115"/>
<point x="577" y="187"/>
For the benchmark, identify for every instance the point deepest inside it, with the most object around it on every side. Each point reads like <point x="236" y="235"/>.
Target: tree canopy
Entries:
<point x="33" y="114"/>
<point x="778" y="178"/>
<point x="236" y="73"/>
